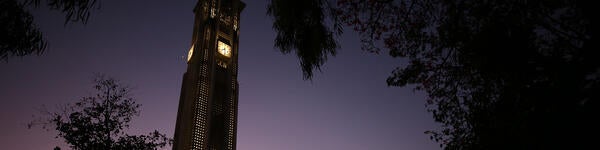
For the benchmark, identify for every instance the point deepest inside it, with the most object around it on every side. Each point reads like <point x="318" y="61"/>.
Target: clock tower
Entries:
<point x="207" y="115"/>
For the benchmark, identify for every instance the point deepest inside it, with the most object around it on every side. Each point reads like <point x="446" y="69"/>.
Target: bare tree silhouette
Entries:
<point x="98" y="121"/>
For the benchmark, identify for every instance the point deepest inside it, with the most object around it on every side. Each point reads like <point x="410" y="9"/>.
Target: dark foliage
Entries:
<point x="500" y="74"/>
<point x="74" y="10"/>
<point x="19" y="36"/>
<point x="301" y="27"/>
<point x="98" y="122"/>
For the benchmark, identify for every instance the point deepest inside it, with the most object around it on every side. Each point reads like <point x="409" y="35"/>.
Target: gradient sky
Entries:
<point x="348" y="106"/>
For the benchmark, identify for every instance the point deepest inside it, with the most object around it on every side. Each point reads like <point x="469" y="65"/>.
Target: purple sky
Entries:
<point x="143" y="43"/>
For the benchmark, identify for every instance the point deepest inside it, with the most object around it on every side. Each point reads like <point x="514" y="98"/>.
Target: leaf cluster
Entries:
<point x="302" y="27"/>
<point x="74" y="10"/>
<point x="498" y="74"/>
<point x="20" y="36"/>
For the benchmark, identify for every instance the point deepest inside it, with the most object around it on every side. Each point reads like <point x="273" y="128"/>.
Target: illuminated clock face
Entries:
<point x="224" y="49"/>
<point x="190" y="52"/>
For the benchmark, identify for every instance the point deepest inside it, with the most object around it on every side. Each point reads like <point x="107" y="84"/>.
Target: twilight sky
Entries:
<point x="348" y="106"/>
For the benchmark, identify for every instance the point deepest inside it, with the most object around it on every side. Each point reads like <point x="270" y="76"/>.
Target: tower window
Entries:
<point x="222" y="64"/>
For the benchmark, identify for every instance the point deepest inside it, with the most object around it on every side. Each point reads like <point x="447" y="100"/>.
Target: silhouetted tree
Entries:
<point x="499" y="74"/>
<point x="305" y="31"/>
<point x="97" y="122"/>
<point x="19" y="36"/>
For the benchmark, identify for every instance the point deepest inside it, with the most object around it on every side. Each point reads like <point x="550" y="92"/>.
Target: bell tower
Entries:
<point x="207" y="115"/>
